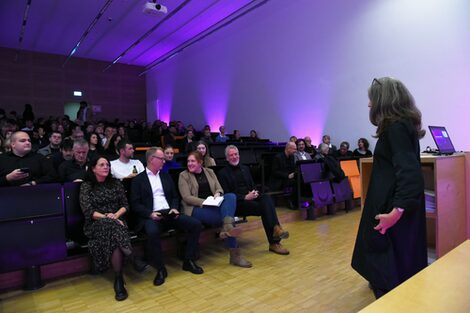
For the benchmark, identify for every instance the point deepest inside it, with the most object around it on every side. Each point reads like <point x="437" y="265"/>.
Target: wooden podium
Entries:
<point x="444" y="178"/>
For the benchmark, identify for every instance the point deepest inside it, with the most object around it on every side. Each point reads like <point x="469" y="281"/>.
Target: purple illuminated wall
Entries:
<point x="303" y="67"/>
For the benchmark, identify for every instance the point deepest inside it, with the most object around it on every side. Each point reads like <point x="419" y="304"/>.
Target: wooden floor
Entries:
<point x="315" y="277"/>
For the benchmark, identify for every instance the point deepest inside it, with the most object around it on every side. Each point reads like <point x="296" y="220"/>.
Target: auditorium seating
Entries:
<point x="351" y="170"/>
<point x="32" y="228"/>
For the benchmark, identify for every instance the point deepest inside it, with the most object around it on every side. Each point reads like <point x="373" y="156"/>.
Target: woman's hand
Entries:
<point x="217" y="194"/>
<point x="387" y="220"/>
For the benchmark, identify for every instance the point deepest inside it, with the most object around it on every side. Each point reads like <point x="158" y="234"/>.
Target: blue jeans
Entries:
<point x="214" y="216"/>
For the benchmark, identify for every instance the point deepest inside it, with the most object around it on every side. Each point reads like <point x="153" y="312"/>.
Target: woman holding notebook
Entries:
<point x="199" y="187"/>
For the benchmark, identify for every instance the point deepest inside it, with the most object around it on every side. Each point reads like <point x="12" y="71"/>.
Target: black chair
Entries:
<point x="32" y="228"/>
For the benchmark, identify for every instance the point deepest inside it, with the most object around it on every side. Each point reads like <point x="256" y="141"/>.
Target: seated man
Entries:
<point x="343" y="151"/>
<point x="326" y="139"/>
<point x="75" y="169"/>
<point x="66" y="153"/>
<point x="236" y="178"/>
<point x="55" y="138"/>
<point x="126" y="166"/>
<point x="22" y="167"/>
<point x="221" y="137"/>
<point x="283" y="172"/>
<point x="154" y="200"/>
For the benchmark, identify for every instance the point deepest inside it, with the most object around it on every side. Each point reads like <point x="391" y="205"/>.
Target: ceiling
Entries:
<point x="56" y="26"/>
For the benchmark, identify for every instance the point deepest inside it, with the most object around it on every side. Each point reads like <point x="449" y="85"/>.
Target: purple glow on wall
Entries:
<point x="214" y="95"/>
<point x="304" y="111"/>
<point x="163" y="110"/>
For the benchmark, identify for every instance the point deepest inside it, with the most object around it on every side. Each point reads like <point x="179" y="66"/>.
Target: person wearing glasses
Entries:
<point x="391" y="240"/>
<point x="155" y="201"/>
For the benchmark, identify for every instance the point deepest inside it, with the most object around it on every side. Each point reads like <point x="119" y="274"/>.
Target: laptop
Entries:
<point x="442" y="139"/>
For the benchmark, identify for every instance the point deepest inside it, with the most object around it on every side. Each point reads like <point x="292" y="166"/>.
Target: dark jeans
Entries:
<point x="264" y="207"/>
<point x="214" y="216"/>
<point x="182" y="223"/>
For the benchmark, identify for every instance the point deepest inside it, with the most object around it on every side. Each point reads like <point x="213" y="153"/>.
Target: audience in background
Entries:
<point x="293" y="138"/>
<point x="326" y="139"/>
<point x="236" y="136"/>
<point x="221" y="136"/>
<point x="95" y="146"/>
<point x="301" y="154"/>
<point x="55" y="139"/>
<point x="343" y="151"/>
<point x="75" y="169"/>
<point x="189" y="143"/>
<point x="283" y="173"/>
<point x="362" y="149"/>
<point x="253" y="135"/>
<point x="203" y="149"/>
<point x="169" y="159"/>
<point x="111" y="151"/>
<point x="206" y="136"/>
<point x="309" y="148"/>
<point x="125" y="167"/>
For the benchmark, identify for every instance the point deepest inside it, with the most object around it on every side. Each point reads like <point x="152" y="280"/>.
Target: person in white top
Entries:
<point x="125" y="166"/>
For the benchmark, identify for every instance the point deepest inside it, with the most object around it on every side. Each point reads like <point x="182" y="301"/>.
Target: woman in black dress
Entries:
<point x="103" y="202"/>
<point x="391" y="241"/>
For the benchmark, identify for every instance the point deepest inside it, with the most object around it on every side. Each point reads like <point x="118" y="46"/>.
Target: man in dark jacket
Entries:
<point x="155" y="201"/>
<point x="22" y="167"/>
<point x="236" y="178"/>
<point x="283" y="173"/>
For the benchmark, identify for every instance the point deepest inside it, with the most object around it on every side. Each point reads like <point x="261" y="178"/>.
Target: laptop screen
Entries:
<point x="442" y="139"/>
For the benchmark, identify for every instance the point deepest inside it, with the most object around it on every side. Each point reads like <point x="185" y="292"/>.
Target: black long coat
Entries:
<point x="396" y="181"/>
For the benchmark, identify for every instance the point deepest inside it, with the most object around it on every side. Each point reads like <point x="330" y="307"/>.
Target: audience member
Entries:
<point x="283" y="173"/>
<point x="362" y="149"/>
<point x="94" y="143"/>
<point x="343" y="151"/>
<point x="293" y="139"/>
<point x="103" y="202"/>
<point x="84" y="113"/>
<point x="203" y="149"/>
<point x="301" y="154"/>
<point x="326" y="139"/>
<point x="111" y="151"/>
<point x="169" y="160"/>
<point x="75" y="169"/>
<point x="221" y="136"/>
<point x="190" y="143"/>
<point x="198" y="183"/>
<point x="106" y="139"/>
<point x="206" y="136"/>
<point x="22" y="167"/>
<point x="125" y="166"/>
<point x="236" y="178"/>
<point x="66" y="153"/>
<point x="236" y="136"/>
<point x="309" y="148"/>
<point x="55" y="139"/>
<point x="253" y="135"/>
<point x="155" y="201"/>
<point x="28" y="114"/>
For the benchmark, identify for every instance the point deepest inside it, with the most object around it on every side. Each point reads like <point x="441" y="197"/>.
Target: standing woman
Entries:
<point x="391" y="241"/>
<point x="103" y="202"/>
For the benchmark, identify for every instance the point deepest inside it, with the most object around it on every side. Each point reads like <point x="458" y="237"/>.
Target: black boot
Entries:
<point x="119" y="289"/>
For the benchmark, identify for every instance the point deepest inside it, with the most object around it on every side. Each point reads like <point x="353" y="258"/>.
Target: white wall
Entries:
<point x="302" y="67"/>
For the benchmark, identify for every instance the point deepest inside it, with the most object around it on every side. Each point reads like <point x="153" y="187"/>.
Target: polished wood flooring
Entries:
<point x="315" y="277"/>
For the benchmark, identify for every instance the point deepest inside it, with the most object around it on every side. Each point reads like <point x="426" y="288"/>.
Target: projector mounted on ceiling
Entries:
<point x="154" y="8"/>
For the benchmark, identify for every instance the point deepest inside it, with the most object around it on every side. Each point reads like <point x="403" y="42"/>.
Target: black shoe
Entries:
<point x="191" y="266"/>
<point x="139" y="265"/>
<point x="119" y="289"/>
<point x="160" y="277"/>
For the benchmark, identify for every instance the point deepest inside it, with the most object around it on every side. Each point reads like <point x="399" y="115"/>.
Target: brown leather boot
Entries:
<point x="229" y="229"/>
<point x="278" y="249"/>
<point x="279" y="233"/>
<point x="237" y="259"/>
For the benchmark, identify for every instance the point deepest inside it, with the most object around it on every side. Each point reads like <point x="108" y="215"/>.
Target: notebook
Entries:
<point x="442" y="139"/>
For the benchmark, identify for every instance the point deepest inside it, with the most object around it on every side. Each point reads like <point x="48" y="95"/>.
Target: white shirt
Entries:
<point x="159" y="200"/>
<point x="121" y="170"/>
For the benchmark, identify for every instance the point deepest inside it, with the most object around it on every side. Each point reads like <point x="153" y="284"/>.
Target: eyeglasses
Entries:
<point x="376" y="81"/>
<point x="160" y="158"/>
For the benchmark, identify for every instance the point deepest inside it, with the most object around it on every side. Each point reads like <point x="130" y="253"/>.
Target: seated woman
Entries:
<point x="94" y="143"/>
<point x="112" y="152"/>
<point x="203" y="149"/>
<point x="362" y="148"/>
<point x="103" y="202"/>
<point x="301" y="154"/>
<point x="195" y="185"/>
<point x="169" y="159"/>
